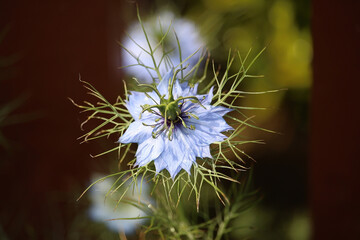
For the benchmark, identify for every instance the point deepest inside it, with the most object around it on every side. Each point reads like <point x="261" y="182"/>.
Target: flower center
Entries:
<point x="172" y="111"/>
<point x="169" y="110"/>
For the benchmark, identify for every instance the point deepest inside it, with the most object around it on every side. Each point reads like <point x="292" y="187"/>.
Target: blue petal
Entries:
<point x="209" y="96"/>
<point x="177" y="90"/>
<point x="210" y="121"/>
<point x="149" y="150"/>
<point x="191" y="144"/>
<point x="164" y="83"/>
<point x="194" y="89"/>
<point x="136" y="100"/>
<point x="186" y="165"/>
<point x="210" y="112"/>
<point x="176" y="154"/>
<point x="202" y="136"/>
<point x="181" y="150"/>
<point x="160" y="164"/>
<point x="220" y="110"/>
<point x="187" y="90"/>
<point x="205" y="152"/>
<point x="210" y="125"/>
<point x="175" y="172"/>
<point x="136" y="133"/>
<point x="205" y="99"/>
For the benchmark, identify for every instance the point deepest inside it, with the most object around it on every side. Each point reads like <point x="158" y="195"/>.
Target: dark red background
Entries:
<point x="335" y="132"/>
<point x="55" y="41"/>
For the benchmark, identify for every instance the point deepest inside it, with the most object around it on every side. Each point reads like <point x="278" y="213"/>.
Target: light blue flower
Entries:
<point x="189" y="39"/>
<point x="104" y="210"/>
<point x="191" y="125"/>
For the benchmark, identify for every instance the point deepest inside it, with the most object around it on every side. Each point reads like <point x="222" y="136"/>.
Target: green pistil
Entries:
<point x="171" y="84"/>
<point x="149" y="108"/>
<point x="172" y="111"/>
<point x="152" y="87"/>
<point x="171" y="129"/>
<point x="192" y="99"/>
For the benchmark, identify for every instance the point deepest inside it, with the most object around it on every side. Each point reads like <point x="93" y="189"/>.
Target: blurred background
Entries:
<point x="306" y="174"/>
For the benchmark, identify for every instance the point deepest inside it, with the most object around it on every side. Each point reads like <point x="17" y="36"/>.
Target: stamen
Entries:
<point x="183" y="122"/>
<point x="181" y="104"/>
<point x="149" y="125"/>
<point x="192" y="115"/>
<point x="156" y="132"/>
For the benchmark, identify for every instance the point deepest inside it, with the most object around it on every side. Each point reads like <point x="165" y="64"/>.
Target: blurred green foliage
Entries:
<point x="278" y="25"/>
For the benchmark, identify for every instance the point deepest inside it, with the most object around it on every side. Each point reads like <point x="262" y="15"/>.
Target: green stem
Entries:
<point x="222" y="228"/>
<point x="150" y="48"/>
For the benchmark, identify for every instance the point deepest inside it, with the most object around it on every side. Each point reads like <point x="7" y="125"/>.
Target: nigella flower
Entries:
<point x="104" y="210"/>
<point x="188" y="37"/>
<point x="173" y="125"/>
